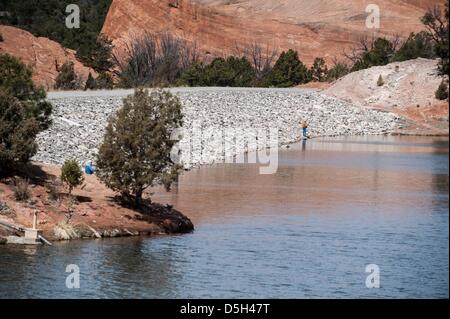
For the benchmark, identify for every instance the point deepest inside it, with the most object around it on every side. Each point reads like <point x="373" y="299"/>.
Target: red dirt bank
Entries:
<point x="96" y="209"/>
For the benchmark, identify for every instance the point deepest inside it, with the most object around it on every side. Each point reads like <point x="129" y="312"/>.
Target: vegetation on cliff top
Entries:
<point x="47" y="19"/>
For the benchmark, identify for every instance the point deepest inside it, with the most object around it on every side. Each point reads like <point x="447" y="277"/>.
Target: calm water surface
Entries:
<point x="334" y="206"/>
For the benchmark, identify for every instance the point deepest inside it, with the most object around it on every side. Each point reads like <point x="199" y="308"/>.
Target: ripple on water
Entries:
<point x="307" y="232"/>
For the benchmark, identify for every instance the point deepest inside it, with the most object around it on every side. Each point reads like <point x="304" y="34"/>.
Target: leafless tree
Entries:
<point x="436" y="23"/>
<point x="397" y="41"/>
<point x="366" y="43"/>
<point x="137" y="64"/>
<point x="191" y="54"/>
<point x="363" y="45"/>
<point x="153" y="59"/>
<point x="261" y="58"/>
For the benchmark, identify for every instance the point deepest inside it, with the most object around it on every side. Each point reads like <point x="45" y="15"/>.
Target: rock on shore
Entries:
<point x="79" y="120"/>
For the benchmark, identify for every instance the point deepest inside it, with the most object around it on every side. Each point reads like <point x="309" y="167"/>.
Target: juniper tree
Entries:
<point x="319" y="70"/>
<point x="24" y="112"/>
<point x="18" y="132"/>
<point x="67" y="79"/>
<point x="288" y="71"/>
<point x="135" y="153"/>
<point x="71" y="174"/>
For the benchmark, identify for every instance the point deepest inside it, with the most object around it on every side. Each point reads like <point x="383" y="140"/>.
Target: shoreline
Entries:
<point x="98" y="213"/>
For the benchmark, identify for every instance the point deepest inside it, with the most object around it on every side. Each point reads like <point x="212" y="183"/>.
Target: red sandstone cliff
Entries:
<point x="314" y="28"/>
<point x="45" y="56"/>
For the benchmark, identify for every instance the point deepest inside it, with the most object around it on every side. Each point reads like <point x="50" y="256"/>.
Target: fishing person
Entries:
<point x="304" y="125"/>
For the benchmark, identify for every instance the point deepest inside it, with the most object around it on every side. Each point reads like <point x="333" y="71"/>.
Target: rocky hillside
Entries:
<point x="44" y="55"/>
<point x="314" y="28"/>
<point x="409" y="90"/>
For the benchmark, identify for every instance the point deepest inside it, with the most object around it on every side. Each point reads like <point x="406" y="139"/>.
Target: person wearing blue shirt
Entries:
<point x="304" y="130"/>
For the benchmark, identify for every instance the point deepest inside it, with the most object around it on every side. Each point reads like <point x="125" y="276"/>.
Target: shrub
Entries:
<point x="5" y="210"/>
<point x="338" y="70"/>
<point x="23" y="113"/>
<point x="288" y="71"/>
<point x="380" y="81"/>
<point x="65" y="231"/>
<point x="67" y="79"/>
<point x="380" y="53"/>
<point x="53" y="189"/>
<point x="243" y="74"/>
<point x="234" y="72"/>
<point x="104" y="81"/>
<point x="442" y="91"/>
<point x="135" y="152"/>
<point x="90" y="83"/>
<point x="319" y="70"/>
<point x="100" y="57"/>
<point x="21" y="189"/>
<point x="17" y="132"/>
<point x="153" y="60"/>
<point x="16" y="80"/>
<point x="194" y="75"/>
<point x="71" y="174"/>
<point x="418" y="45"/>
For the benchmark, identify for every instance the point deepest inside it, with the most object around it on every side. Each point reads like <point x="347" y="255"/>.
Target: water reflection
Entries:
<point x="334" y="206"/>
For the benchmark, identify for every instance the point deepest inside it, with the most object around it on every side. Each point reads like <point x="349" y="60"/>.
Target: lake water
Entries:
<point x="334" y="206"/>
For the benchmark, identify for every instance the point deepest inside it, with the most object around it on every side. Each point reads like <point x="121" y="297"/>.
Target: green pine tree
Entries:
<point x="24" y="112"/>
<point x="288" y="71"/>
<point x="136" y="150"/>
<point x="319" y="70"/>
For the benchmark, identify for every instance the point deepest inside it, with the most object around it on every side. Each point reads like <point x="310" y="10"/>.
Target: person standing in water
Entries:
<point x="304" y="129"/>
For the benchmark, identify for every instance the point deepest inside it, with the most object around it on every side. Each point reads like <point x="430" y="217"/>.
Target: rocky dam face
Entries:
<point x="213" y="119"/>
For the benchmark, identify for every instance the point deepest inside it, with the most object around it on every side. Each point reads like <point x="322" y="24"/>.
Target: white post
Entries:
<point x="35" y="219"/>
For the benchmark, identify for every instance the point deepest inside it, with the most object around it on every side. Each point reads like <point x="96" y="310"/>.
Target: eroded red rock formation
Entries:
<point x="314" y="28"/>
<point x="44" y="55"/>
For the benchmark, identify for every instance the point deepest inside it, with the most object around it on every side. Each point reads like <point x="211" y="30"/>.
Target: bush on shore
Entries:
<point x="71" y="174"/>
<point x="136" y="150"/>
